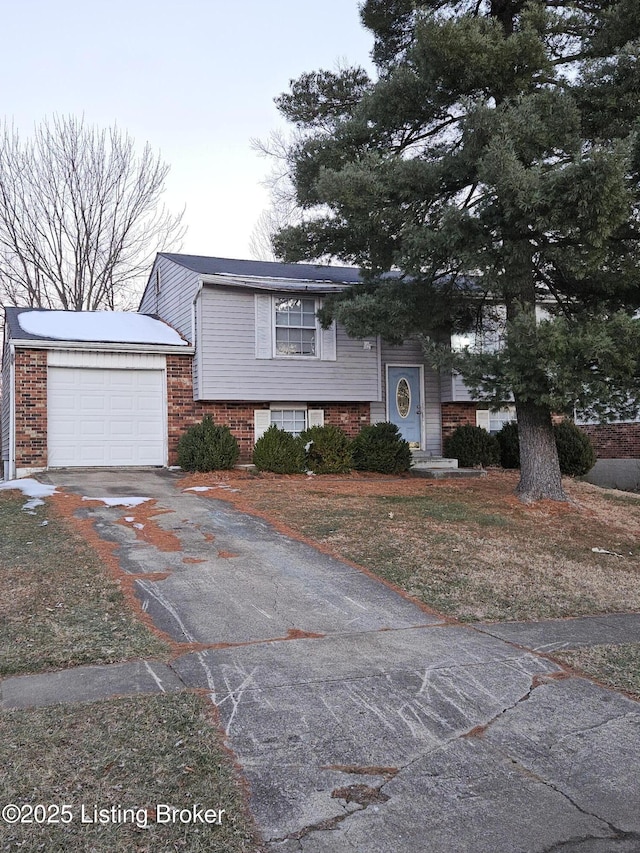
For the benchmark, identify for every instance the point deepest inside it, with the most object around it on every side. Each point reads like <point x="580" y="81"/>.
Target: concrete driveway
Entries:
<point x="362" y="722"/>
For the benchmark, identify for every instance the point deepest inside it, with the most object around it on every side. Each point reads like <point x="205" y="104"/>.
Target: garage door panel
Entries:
<point x="105" y="417"/>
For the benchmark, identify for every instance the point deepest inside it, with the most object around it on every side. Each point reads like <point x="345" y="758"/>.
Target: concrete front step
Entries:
<point x="447" y="473"/>
<point x="422" y="459"/>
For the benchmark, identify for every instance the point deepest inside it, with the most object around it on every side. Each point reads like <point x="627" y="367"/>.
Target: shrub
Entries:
<point x="278" y="451"/>
<point x="509" y="445"/>
<point x="327" y="450"/>
<point x="380" y="447"/>
<point x="472" y="445"/>
<point x="207" y="447"/>
<point x="575" y="451"/>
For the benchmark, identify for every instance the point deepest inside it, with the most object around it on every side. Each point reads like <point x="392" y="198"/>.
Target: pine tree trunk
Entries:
<point x="539" y="467"/>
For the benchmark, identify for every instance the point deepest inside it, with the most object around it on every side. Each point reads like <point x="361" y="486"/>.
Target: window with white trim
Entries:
<point x="295" y="326"/>
<point x="290" y="420"/>
<point x="293" y="418"/>
<point x="494" y="421"/>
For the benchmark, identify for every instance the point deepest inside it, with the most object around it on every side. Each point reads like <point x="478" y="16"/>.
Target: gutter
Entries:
<point x="276" y="284"/>
<point x="102" y="346"/>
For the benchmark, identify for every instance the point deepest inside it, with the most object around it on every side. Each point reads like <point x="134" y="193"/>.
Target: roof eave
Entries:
<point x="275" y="284"/>
<point x="104" y="346"/>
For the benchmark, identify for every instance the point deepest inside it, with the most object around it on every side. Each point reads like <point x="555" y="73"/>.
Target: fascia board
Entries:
<point x="103" y="346"/>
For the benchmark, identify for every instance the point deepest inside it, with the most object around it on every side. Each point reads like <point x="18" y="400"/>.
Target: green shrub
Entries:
<point x="381" y="448"/>
<point x="278" y="451"/>
<point x="207" y="447"/>
<point x="509" y="445"/>
<point x="472" y="445"/>
<point x="327" y="450"/>
<point x="575" y="451"/>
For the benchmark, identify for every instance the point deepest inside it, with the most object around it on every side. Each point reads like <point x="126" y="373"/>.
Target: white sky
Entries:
<point x="196" y="79"/>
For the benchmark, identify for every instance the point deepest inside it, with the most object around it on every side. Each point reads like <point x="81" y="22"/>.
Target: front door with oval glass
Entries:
<point x="404" y="402"/>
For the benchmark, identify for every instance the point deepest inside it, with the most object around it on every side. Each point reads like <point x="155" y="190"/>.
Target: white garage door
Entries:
<point x="102" y="417"/>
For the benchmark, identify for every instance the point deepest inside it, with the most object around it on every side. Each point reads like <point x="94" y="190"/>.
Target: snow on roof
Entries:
<point x="103" y="326"/>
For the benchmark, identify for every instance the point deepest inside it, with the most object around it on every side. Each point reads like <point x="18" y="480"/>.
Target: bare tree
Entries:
<point x="283" y="209"/>
<point x="80" y="216"/>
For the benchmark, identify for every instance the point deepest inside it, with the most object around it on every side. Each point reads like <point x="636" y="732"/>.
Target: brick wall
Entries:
<point x="184" y="411"/>
<point x="615" y="441"/>
<point x="31" y="408"/>
<point x="455" y="415"/>
<point x="350" y="417"/>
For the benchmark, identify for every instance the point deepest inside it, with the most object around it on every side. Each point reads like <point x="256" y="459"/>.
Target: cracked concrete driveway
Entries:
<point x="362" y="722"/>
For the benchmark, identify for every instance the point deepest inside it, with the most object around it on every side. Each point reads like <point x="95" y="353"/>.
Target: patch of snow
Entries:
<point x="139" y="526"/>
<point x="129" y="518"/>
<point x="104" y="326"/>
<point x="123" y="501"/>
<point x="31" y="489"/>
<point x="198" y="488"/>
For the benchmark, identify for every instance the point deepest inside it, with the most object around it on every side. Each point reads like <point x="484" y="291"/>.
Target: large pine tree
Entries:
<point x="495" y="161"/>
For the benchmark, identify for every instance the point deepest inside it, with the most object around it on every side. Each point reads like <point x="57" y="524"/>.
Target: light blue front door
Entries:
<point x="403" y="402"/>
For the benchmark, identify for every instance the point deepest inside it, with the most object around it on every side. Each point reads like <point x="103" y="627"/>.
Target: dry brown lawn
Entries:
<point x="467" y="548"/>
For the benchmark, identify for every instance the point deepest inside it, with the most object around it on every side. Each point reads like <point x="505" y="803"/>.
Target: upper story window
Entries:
<point x="295" y="326"/>
<point x="287" y="328"/>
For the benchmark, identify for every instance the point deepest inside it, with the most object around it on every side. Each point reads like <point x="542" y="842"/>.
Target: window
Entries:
<point x="291" y="417"/>
<point x="494" y="421"/>
<point x="290" y="420"/>
<point x="295" y="326"/>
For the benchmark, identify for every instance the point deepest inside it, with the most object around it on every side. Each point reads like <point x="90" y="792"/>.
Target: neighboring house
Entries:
<point x="239" y="340"/>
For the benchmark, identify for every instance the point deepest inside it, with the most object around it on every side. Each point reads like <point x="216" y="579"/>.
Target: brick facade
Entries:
<point x="611" y="441"/>
<point x="184" y="411"/>
<point x="31" y="408"/>
<point x="615" y="441"/>
<point x="455" y="415"/>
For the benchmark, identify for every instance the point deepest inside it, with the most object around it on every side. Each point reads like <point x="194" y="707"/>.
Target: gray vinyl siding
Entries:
<point x="178" y="287"/>
<point x="453" y="389"/>
<point x="230" y="370"/>
<point x="410" y="353"/>
<point x="4" y="401"/>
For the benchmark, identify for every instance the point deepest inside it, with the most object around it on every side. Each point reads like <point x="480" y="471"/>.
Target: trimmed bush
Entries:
<point x="207" y="447"/>
<point x="278" y="451"/>
<point x="327" y="450"/>
<point x="381" y="448"/>
<point x="471" y="446"/>
<point x="575" y="451"/>
<point x="509" y="445"/>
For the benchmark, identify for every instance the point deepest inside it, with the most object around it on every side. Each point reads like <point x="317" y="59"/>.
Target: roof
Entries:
<point x="104" y="327"/>
<point x="310" y="273"/>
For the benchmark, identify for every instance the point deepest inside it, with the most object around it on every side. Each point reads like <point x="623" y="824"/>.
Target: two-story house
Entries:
<point x="239" y="340"/>
<point x="261" y="356"/>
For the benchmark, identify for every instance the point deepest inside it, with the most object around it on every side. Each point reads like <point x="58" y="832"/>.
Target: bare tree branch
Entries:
<point x="81" y="216"/>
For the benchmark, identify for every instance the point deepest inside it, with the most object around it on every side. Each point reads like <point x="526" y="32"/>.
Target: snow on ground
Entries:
<point x="31" y="489"/>
<point x="105" y="326"/>
<point x="122" y="501"/>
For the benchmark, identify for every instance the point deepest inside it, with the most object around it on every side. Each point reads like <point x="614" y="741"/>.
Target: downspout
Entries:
<point x="194" y="337"/>
<point x="11" y="464"/>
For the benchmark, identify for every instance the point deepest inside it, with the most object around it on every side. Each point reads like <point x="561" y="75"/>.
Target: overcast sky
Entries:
<point x="196" y="79"/>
